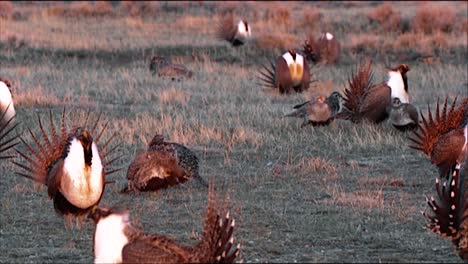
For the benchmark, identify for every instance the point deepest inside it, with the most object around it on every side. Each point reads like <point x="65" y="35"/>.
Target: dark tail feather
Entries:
<point x="267" y="76"/>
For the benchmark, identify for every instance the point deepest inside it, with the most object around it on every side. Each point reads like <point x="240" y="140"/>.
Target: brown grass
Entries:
<point x="430" y="19"/>
<point x="386" y="17"/>
<point x="6" y="9"/>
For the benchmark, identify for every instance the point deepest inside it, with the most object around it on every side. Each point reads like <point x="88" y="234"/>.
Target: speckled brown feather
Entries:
<point x="165" y="68"/>
<point x="404" y="117"/>
<point x="322" y="50"/>
<point x="227" y="30"/>
<point x="7" y="140"/>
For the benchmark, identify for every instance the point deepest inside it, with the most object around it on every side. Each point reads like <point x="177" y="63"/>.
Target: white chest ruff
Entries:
<point x="109" y="239"/>
<point x="296" y="67"/>
<point x="81" y="185"/>
<point x="329" y="36"/>
<point x="242" y="31"/>
<point x="395" y="81"/>
<point x="5" y="100"/>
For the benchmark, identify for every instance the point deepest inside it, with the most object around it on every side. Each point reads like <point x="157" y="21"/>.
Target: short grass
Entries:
<point x="341" y="193"/>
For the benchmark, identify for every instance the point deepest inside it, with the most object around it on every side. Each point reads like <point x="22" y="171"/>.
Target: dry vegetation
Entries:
<point x="342" y="193"/>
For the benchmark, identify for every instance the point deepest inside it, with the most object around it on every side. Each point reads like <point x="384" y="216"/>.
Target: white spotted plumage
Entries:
<point x="83" y="185"/>
<point x="109" y="238"/>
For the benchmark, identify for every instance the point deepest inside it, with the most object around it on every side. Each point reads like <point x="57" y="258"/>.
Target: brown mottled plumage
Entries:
<point x="440" y="137"/>
<point x="320" y="111"/>
<point x="216" y="245"/>
<point x="363" y="100"/>
<point x="403" y="116"/>
<point x="65" y="162"/>
<point x="6" y="129"/>
<point x="236" y="34"/>
<point x="449" y="211"/>
<point x="164" y="164"/>
<point x="165" y="68"/>
<point x="326" y="49"/>
<point x="290" y="73"/>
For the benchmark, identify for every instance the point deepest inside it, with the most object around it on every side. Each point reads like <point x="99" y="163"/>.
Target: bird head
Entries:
<point x="85" y="138"/>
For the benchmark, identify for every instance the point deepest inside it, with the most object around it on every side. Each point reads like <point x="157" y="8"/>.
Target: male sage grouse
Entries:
<point x="449" y="211"/>
<point x="236" y="34"/>
<point x="325" y="49"/>
<point x="441" y="137"/>
<point x="366" y="101"/>
<point x="6" y="140"/>
<point x="6" y="102"/>
<point x="165" y="68"/>
<point x="71" y="165"/>
<point x="319" y="111"/>
<point x="117" y="241"/>
<point x="164" y="164"/>
<point x="403" y="116"/>
<point x="291" y="72"/>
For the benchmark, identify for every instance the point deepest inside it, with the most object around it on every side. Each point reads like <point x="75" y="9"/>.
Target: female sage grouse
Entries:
<point x="6" y="102"/>
<point x="6" y="128"/>
<point x="325" y="50"/>
<point x="70" y="164"/>
<point x="441" y="136"/>
<point x="366" y="101"/>
<point x="164" y="164"/>
<point x="236" y="34"/>
<point x="448" y="218"/>
<point x="291" y="72"/>
<point x="319" y="111"/>
<point x="117" y="241"/>
<point x="165" y="68"/>
<point x="403" y="116"/>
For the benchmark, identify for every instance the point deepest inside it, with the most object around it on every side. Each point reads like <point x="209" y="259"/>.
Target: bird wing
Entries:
<point x="155" y="249"/>
<point x="54" y="178"/>
<point x="447" y="150"/>
<point x="375" y="102"/>
<point x="305" y="77"/>
<point x="283" y="79"/>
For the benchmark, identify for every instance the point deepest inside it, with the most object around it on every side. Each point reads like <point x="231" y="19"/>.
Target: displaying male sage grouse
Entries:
<point x="291" y="72"/>
<point x="165" y="68"/>
<point x="164" y="164"/>
<point x="403" y="116"/>
<point x="117" y="241"/>
<point x="236" y="34"/>
<point x="6" y="102"/>
<point x="6" y="128"/>
<point x="441" y="137"/>
<point x="325" y="49"/>
<point x="70" y="164"/>
<point x="449" y="211"/>
<point x="319" y="111"/>
<point x="366" y="101"/>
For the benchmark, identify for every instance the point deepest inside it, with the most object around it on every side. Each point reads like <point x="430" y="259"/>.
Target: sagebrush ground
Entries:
<point x="342" y="193"/>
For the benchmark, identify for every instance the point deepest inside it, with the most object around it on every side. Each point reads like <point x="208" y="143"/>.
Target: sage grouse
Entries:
<point x="325" y="49"/>
<point x="236" y="34"/>
<point x="70" y="164"/>
<point x="117" y="241"/>
<point x="448" y="218"/>
<point x="165" y="68"/>
<point x="318" y="111"/>
<point x="403" y="116"/>
<point x="291" y="72"/>
<point x="6" y="128"/>
<point x="440" y="137"/>
<point x="164" y="164"/>
<point x="366" y="101"/>
<point x="6" y="102"/>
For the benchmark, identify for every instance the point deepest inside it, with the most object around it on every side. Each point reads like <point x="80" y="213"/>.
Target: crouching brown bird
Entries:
<point x="319" y="111"/>
<point x="165" y="68"/>
<point x="325" y="49"/>
<point x="365" y="101"/>
<point x="117" y="241"/>
<point x="403" y="116"/>
<point x="70" y="164"/>
<point x="290" y="73"/>
<point x="236" y="34"/>
<point x="448" y="218"/>
<point x="440" y="137"/>
<point x="162" y="165"/>
<point x="7" y="141"/>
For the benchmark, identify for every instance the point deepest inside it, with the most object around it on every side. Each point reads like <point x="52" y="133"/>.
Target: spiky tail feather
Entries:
<point x="5" y="132"/>
<point x="267" y="76"/>
<point x="218" y="230"/>
<point x="432" y="128"/>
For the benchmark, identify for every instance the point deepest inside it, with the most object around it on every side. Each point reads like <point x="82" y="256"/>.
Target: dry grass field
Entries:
<point x="341" y="193"/>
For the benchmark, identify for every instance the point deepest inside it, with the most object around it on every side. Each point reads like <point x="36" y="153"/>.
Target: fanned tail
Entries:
<point x="218" y="230"/>
<point x="266" y="77"/>
<point x="5" y="131"/>
<point x="359" y="84"/>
